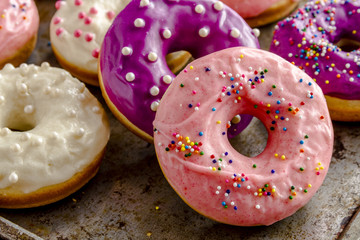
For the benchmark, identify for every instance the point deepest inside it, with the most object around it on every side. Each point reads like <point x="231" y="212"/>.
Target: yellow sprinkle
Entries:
<point x="188" y="141"/>
<point x="309" y="185"/>
<point x="327" y="81"/>
<point x="314" y="79"/>
<point x="214" y="169"/>
<point x="260" y="190"/>
<point x="241" y="56"/>
<point x="157" y="208"/>
<point x="262" y="80"/>
<point x="218" y="122"/>
<point x="354" y="32"/>
<point x="3" y="15"/>
<point x="276" y="116"/>
<point x="276" y="155"/>
<point x="182" y="149"/>
<point x="319" y="163"/>
<point x="239" y="98"/>
<point x="317" y="169"/>
<point x="347" y="54"/>
<point x="273" y="190"/>
<point x="149" y="234"/>
<point x="282" y="157"/>
<point x="268" y="105"/>
<point x="332" y="65"/>
<point x="187" y="138"/>
<point x="182" y="145"/>
<point x="191" y="67"/>
<point x="192" y="144"/>
<point x="321" y="167"/>
<point x="260" y="194"/>
<point x="299" y="45"/>
<point x="317" y="54"/>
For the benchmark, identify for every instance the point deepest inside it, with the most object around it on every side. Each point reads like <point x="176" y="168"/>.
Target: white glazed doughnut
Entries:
<point x="53" y="132"/>
<point x="77" y="31"/>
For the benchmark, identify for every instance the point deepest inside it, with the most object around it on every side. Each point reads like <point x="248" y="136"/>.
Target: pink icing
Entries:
<point x="210" y="175"/>
<point x="19" y="22"/>
<point x="250" y="8"/>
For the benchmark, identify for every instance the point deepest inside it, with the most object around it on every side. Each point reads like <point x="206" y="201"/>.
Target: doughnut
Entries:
<point x="259" y="12"/>
<point x="19" y="24"/>
<point x="77" y="30"/>
<point x="208" y="173"/>
<point x="53" y="133"/>
<point x="315" y="40"/>
<point x="133" y="72"/>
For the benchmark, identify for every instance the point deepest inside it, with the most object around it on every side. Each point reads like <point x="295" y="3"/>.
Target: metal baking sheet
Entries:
<point x="130" y="199"/>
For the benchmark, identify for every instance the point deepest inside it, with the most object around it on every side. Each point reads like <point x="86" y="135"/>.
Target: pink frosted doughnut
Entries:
<point x="19" y="23"/>
<point x="208" y="173"/>
<point x="260" y="12"/>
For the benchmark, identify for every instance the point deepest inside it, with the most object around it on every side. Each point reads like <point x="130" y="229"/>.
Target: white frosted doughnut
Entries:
<point x="77" y="30"/>
<point x="53" y="132"/>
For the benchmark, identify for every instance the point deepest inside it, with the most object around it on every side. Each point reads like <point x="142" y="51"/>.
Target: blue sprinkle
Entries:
<point x="230" y="161"/>
<point x="277" y="111"/>
<point x="228" y="191"/>
<point x="272" y="171"/>
<point x="214" y="109"/>
<point x="310" y="83"/>
<point x="301" y="142"/>
<point x="235" y="208"/>
<point x="201" y="133"/>
<point x="172" y="142"/>
<point x="268" y="193"/>
<point x="278" y="102"/>
<point x="228" y="93"/>
<point x="214" y="161"/>
<point x="284" y="128"/>
<point x="232" y="79"/>
<point x="311" y="97"/>
<point x="207" y="69"/>
<point x="223" y="203"/>
<point x="270" y="93"/>
<point x="243" y="179"/>
<point x="239" y="185"/>
<point x="190" y="105"/>
<point x="223" y="133"/>
<point x="301" y="80"/>
<point x="273" y="122"/>
<point x="226" y="153"/>
<point x="282" y="118"/>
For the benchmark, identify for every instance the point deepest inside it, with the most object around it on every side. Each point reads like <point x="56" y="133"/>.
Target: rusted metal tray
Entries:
<point x="130" y="199"/>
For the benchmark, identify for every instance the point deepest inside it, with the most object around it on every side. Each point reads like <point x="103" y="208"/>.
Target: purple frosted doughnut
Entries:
<point x="308" y="39"/>
<point x="133" y="70"/>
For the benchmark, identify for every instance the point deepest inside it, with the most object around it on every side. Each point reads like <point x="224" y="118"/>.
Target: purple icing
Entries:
<point x="323" y="24"/>
<point x="133" y="99"/>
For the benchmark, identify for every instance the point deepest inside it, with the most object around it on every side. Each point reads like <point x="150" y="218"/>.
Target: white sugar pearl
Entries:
<point x="152" y="56"/>
<point x="22" y="88"/>
<point x="257" y="206"/>
<point x="154" y="91"/>
<point x="154" y="106"/>
<point x="256" y="32"/>
<point x="130" y="77"/>
<point x="199" y="8"/>
<point x="29" y="109"/>
<point x="80" y="132"/>
<point x="167" y="34"/>
<point x="13" y="177"/>
<point x="126" y="51"/>
<point x="139" y="22"/>
<point x="5" y="131"/>
<point x="235" y="33"/>
<point x="16" y="148"/>
<point x="45" y="65"/>
<point x="2" y="99"/>
<point x="167" y="79"/>
<point x="347" y="65"/>
<point x="25" y="136"/>
<point x="204" y="32"/>
<point x="144" y="3"/>
<point x="218" y="6"/>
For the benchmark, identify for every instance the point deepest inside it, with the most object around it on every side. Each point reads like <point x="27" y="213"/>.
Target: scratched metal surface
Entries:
<point x="130" y="199"/>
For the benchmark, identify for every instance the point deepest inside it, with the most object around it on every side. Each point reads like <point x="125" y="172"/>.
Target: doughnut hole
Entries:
<point x="252" y="140"/>
<point x="178" y="60"/>
<point x="19" y="121"/>
<point x="348" y="45"/>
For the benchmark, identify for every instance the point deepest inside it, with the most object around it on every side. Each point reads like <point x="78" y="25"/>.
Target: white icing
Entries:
<point x="58" y="146"/>
<point x="76" y="49"/>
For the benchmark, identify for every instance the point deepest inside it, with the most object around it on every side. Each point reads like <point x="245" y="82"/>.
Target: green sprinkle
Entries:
<point x="167" y="149"/>
<point x="268" y="111"/>
<point x="196" y="143"/>
<point x="266" y="185"/>
<point x="290" y="109"/>
<point x="254" y="166"/>
<point x="290" y="197"/>
<point x="220" y="159"/>
<point x="292" y="187"/>
<point x="301" y="169"/>
<point x="201" y="153"/>
<point x="272" y="128"/>
<point x="305" y="190"/>
<point x="219" y="168"/>
<point x="255" y="106"/>
<point x="273" y="86"/>
<point x="226" y="206"/>
<point x="265" y="70"/>
<point x="181" y="85"/>
<point x="306" y="136"/>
